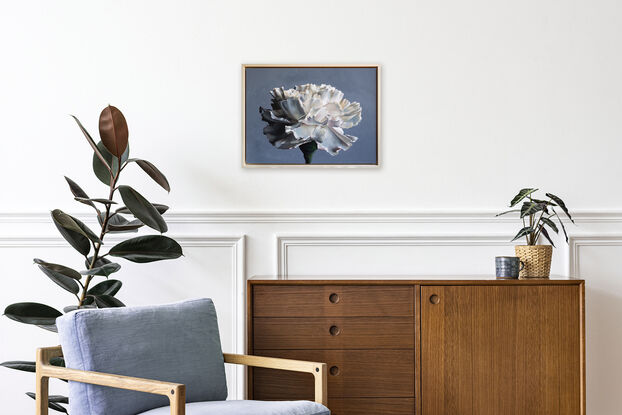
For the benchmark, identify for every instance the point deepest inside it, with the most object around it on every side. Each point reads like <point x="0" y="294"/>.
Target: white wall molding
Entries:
<point x="238" y="265"/>
<point x="481" y="216"/>
<point x="575" y="243"/>
<point x="284" y="242"/>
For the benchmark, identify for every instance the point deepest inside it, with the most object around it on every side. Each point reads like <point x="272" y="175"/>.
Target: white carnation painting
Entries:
<point x="297" y="115"/>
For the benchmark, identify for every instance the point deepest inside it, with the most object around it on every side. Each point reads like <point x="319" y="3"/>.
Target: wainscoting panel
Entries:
<point x="389" y="255"/>
<point x="598" y="259"/>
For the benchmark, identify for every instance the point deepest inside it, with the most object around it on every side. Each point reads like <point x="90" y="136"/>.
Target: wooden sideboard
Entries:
<point x="425" y="346"/>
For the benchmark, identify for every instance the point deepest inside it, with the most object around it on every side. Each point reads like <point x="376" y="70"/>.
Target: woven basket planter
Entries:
<point x="537" y="259"/>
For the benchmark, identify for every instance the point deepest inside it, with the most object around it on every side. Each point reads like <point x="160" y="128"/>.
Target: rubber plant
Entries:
<point x="110" y="158"/>
<point x="537" y="215"/>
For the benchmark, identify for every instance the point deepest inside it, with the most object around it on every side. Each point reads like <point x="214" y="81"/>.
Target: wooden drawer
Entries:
<point x="352" y="374"/>
<point x="334" y="333"/>
<point x="371" y="406"/>
<point x="332" y="301"/>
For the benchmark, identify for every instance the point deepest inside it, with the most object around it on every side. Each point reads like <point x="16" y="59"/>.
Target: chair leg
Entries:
<point x="177" y="399"/>
<point x="42" y="394"/>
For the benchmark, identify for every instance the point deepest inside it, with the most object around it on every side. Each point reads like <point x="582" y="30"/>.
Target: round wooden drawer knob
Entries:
<point x="334" y="370"/>
<point x="435" y="299"/>
<point x="334" y="330"/>
<point x="333" y="298"/>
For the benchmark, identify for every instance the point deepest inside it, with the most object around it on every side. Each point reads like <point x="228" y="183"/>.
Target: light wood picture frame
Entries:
<point x="310" y="115"/>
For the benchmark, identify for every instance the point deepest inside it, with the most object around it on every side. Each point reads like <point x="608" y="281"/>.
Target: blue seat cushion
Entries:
<point x="248" y="408"/>
<point x="175" y="343"/>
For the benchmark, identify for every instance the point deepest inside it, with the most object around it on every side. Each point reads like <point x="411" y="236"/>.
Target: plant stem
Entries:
<point x="113" y="182"/>
<point x="529" y="236"/>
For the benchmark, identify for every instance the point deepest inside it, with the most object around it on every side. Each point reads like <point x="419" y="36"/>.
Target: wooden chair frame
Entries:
<point x="175" y="392"/>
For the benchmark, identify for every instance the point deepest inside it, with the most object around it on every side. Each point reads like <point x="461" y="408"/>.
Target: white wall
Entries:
<point x="479" y="98"/>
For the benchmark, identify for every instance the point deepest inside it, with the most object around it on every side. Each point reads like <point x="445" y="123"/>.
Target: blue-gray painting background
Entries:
<point x="357" y="85"/>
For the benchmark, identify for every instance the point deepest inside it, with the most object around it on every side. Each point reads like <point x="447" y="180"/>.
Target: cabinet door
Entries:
<point x="501" y="350"/>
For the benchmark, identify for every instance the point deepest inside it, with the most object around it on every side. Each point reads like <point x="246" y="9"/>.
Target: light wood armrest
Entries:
<point x="318" y="370"/>
<point x="174" y="391"/>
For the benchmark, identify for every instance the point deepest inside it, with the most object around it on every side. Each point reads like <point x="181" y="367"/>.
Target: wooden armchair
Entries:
<point x="180" y="342"/>
<point x="175" y="392"/>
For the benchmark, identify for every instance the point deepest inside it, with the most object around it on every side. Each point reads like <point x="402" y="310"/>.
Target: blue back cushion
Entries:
<point x="175" y="343"/>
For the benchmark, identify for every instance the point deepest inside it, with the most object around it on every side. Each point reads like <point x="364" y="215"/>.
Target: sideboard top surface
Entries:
<point x="409" y="279"/>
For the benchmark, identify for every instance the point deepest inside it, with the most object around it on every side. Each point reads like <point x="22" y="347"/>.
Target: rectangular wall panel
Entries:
<point x="599" y="261"/>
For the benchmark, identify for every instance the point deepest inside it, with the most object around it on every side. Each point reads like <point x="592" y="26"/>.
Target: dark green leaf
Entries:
<point x="113" y="130"/>
<point x="61" y="280"/>
<point x="523" y="232"/>
<point x="48" y="327"/>
<point x="68" y="272"/>
<point x="118" y="224"/>
<point x="550" y="224"/>
<point x="132" y="226"/>
<point x="147" y="248"/>
<point x="98" y="263"/>
<point x="103" y="201"/>
<point x="521" y="195"/>
<point x="32" y="313"/>
<point x="506" y="212"/>
<point x="108" y="287"/>
<point x="561" y="204"/>
<point x="561" y="223"/>
<point x="79" y="194"/>
<point x="54" y="401"/>
<point x="57" y="361"/>
<point x="73" y="224"/>
<point x="107" y="301"/>
<point x="104" y="270"/>
<point x="51" y="398"/>
<point x="530" y="208"/>
<point x="154" y="173"/>
<point x="114" y="218"/>
<point x="161" y="209"/>
<point x="98" y="154"/>
<point x="142" y="209"/>
<point x="544" y="232"/>
<point x="547" y="202"/>
<point x="100" y="170"/>
<point x="72" y="233"/>
<point x="20" y="365"/>
<point x="87" y="231"/>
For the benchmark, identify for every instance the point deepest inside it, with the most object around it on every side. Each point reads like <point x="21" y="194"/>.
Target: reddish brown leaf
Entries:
<point x="113" y="130"/>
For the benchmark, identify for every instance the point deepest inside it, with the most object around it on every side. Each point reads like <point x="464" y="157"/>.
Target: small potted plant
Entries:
<point x="539" y="217"/>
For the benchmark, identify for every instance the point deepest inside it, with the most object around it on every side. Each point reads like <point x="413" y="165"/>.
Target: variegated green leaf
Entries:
<point x="561" y="204"/>
<point x="521" y="195"/>
<point x="523" y="232"/>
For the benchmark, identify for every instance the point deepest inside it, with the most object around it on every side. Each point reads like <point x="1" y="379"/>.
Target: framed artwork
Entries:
<point x="310" y="115"/>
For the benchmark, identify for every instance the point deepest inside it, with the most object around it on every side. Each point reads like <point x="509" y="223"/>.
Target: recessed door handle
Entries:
<point x="334" y="330"/>
<point x="435" y="299"/>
